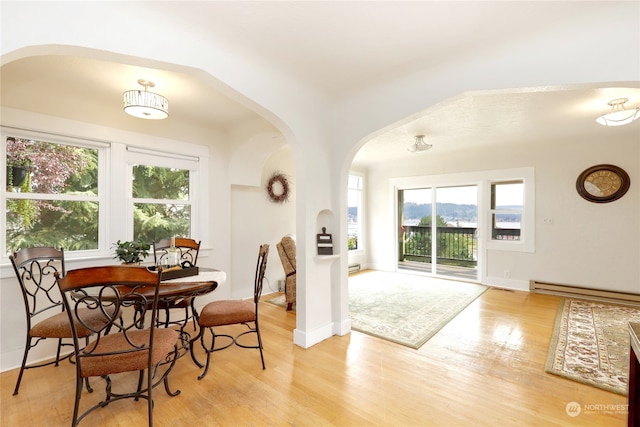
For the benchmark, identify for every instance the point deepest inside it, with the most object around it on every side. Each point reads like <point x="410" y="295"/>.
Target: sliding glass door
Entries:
<point x="444" y="246"/>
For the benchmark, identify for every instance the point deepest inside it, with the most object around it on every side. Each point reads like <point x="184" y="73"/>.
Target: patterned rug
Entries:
<point x="404" y="308"/>
<point x="590" y="343"/>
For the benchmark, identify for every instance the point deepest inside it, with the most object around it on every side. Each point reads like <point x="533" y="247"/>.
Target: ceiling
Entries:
<point x="336" y="49"/>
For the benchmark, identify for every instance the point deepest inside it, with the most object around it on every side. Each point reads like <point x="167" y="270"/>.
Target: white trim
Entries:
<point x="483" y="180"/>
<point x="62" y="138"/>
<point x="170" y="155"/>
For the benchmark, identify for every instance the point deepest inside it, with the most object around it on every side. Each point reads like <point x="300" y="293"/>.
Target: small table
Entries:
<point x="633" y="418"/>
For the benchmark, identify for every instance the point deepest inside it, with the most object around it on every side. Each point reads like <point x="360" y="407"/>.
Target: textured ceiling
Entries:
<point x="337" y="49"/>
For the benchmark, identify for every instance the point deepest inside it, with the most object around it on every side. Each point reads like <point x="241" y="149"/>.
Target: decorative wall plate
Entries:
<point x="603" y="183"/>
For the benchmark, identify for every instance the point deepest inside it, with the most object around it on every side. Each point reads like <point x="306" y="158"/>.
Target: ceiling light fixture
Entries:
<point x="618" y="115"/>
<point x="145" y="104"/>
<point x="419" y="145"/>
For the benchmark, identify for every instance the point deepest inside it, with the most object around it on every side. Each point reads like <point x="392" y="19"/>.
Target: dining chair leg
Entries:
<point x="208" y="351"/>
<point x="22" y="366"/>
<point x="140" y="380"/>
<point x="76" y="405"/>
<point x="260" y="344"/>
<point x="58" y="351"/>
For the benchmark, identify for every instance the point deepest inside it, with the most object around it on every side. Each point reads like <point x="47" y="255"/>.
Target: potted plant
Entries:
<point x="132" y="252"/>
<point x="18" y="168"/>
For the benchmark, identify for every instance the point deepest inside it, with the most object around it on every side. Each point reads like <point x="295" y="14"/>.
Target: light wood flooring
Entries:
<point x="485" y="368"/>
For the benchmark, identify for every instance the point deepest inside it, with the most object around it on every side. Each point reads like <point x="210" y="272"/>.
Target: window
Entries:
<point x="161" y="203"/>
<point x="507" y="207"/>
<point x="162" y="189"/>
<point x="354" y="214"/>
<point x="51" y="194"/>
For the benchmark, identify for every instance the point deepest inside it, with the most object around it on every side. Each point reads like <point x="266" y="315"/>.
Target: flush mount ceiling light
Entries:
<point x="145" y="104"/>
<point x="618" y="115"/>
<point x="419" y="145"/>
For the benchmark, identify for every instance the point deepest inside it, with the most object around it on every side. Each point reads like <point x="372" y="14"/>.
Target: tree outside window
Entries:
<point x="51" y="195"/>
<point x="161" y="203"/>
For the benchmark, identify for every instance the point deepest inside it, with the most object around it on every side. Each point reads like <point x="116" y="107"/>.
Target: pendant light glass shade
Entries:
<point x="145" y="104"/>
<point x="618" y="115"/>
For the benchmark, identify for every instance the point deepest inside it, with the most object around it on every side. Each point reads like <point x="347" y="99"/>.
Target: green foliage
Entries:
<point x="440" y="221"/>
<point x="70" y="170"/>
<point x="131" y="252"/>
<point x="53" y="169"/>
<point x="155" y="221"/>
<point x="353" y="243"/>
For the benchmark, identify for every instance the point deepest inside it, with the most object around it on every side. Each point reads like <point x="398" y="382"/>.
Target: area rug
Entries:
<point x="404" y="308"/>
<point x="590" y="343"/>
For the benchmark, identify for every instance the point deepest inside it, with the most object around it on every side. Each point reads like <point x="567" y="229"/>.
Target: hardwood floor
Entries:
<point x="485" y="368"/>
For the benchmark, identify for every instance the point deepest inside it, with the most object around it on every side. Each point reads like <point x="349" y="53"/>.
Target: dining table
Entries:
<point x="206" y="281"/>
<point x="189" y="287"/>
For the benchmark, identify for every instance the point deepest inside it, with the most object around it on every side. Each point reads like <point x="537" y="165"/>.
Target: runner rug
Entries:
<point x="404" y="308"/>
<point x="590" y="343"/>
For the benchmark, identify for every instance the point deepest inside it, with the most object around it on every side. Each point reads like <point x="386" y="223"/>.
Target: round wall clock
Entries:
<point x="603" y="183"/>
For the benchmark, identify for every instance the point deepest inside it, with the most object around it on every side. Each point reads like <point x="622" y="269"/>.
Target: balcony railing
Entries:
<point x="455" y="245"/>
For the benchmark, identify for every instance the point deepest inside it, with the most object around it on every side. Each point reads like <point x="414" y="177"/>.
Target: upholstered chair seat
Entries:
<point x="57" y="326"/>
<point x="164" y="340"/>
<point x="220" y="313"/>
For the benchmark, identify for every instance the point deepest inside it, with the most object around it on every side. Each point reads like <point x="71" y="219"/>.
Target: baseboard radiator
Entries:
<point x="354" y="267"/>
<point x="584" y="293"/>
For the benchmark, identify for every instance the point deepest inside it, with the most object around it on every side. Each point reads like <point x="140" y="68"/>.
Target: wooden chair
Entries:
<point x="188" y="250"/>
<point x="231" y="312"/>
<point x="119" y="346"/>
<point x="287" y="251"/>
<point x="35" y="268"/>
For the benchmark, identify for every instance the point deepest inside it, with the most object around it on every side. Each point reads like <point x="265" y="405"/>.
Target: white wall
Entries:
<point x="586" y="244"/>
<point x="256" y="220"/>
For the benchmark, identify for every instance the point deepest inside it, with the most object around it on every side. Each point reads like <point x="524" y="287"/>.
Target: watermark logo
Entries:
<point x="573" y="409"/>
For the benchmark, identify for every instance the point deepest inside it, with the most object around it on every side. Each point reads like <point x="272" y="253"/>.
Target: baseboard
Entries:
<point x="306" y="339"/>
<point x="584" y="293"/>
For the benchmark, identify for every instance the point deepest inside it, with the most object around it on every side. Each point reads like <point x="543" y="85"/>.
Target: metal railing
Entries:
<point x="455" y="245"/>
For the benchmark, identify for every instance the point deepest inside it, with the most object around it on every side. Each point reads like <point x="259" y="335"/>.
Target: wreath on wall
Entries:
<point x="278" y="188"/>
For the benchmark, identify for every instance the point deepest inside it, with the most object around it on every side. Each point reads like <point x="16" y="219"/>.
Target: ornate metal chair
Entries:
<point x="231" y="312"/>
<point x="118" y="346"/>
<point x="35" y="268"/>
<point x="188" y="250"/>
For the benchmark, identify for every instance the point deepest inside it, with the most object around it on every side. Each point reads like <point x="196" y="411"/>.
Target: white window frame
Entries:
<point x="101" y="198"/>
<point x="139" y="156"/>
<point x="527" y="224"/>
<point x="360" y="192"/>
<point x="483" y="180"/>
<point x="501" y="211"/>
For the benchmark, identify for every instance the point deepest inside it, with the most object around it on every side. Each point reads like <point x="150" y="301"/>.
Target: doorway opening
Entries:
<point x="437" y="231"/>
